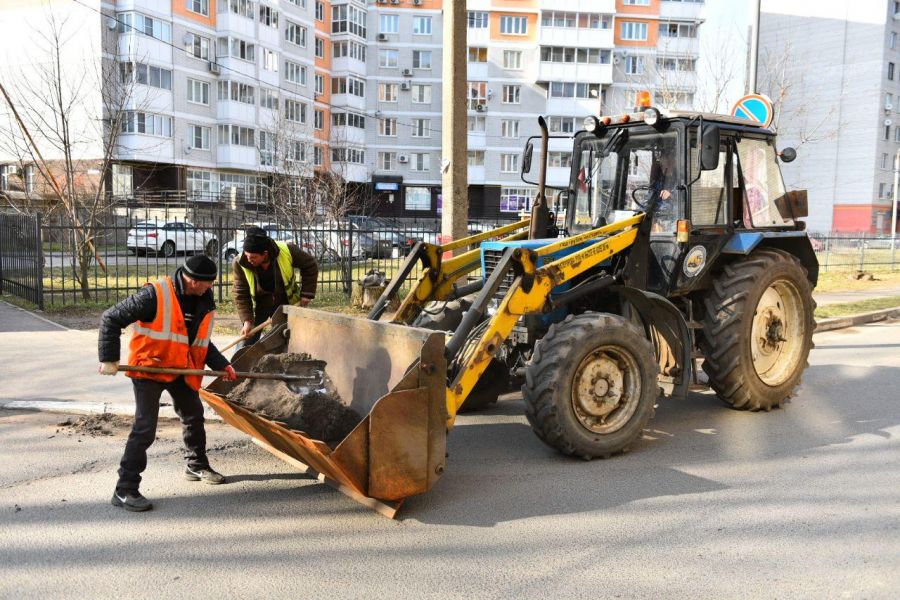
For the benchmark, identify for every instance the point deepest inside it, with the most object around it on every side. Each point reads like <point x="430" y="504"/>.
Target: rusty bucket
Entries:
<point x="393" y="374"/>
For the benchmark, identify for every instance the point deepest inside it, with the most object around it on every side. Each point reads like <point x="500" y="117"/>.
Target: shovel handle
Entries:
<point x="203" y="372"/>
<point x="247" y="335"/>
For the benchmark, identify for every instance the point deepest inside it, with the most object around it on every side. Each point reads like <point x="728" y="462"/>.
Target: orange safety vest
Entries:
<point x="164" y="342"/>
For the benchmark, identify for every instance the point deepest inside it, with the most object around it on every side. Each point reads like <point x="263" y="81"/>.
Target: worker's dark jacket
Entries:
<point x="269" y="282"/>
<point x="142" y="307"/>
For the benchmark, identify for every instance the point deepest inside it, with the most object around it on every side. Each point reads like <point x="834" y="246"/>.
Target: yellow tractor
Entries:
<point x="674" y="242"/>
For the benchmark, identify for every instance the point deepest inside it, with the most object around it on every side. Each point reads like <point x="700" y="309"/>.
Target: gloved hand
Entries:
<point x="231" y="375"/>
<point x="304" y="301"/>
<point x="109" y="368"/>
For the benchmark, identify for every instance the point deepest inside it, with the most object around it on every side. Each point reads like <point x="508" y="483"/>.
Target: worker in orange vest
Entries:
<point x="173" y="322"/>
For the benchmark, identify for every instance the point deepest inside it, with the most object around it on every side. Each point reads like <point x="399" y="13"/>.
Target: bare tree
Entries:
<point x="54" y="110"/>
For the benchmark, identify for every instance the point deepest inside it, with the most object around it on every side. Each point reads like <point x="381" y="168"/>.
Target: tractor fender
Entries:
<point x="666" y="327"/>
<point x="793" y="242"/>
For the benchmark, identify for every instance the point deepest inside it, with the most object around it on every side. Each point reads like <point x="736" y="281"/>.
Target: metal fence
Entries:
<point x="37" y="261"/>
<point x="21" y="260"/>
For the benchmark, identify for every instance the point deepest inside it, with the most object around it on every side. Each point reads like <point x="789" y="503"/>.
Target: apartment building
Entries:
<point x="223" y="93"/>
<point x="837" y="72"/>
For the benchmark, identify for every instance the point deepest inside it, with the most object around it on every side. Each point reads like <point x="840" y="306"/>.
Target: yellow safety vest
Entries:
<point x="286" y="267"/>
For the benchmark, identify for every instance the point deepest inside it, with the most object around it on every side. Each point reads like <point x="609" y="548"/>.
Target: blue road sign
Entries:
<point x="754" y="107"/>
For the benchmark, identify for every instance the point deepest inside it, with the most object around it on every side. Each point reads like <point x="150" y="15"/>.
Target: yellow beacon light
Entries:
<point x="643" y="99"/>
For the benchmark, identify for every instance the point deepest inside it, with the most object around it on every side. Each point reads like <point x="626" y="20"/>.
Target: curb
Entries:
<point x="860" y="319"/>
<point x="95" y="408"/>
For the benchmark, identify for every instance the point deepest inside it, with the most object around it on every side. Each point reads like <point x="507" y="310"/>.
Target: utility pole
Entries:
<point x="754" y="45"/>
<point x="894" y="206"/>
<point x="454" y="137"/>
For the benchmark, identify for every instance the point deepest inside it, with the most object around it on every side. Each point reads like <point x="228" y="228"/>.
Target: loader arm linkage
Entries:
<point x="529" y="293"/>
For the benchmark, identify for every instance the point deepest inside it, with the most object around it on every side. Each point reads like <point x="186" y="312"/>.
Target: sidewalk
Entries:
<point x="826" y="298"/>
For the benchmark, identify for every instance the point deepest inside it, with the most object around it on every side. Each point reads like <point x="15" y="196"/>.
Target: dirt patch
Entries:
<point x="94" y="425"/>
<point x="313" y="408"/>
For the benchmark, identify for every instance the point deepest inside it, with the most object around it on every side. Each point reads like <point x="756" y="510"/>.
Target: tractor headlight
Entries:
<point x="651" y="116"/>
<point x="591" y="124"/>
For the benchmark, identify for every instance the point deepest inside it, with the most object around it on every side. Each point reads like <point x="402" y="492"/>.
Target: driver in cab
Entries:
<point x="662" y="191"/>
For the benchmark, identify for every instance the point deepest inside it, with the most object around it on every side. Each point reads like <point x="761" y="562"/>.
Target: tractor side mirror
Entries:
<point x="526" y="159"/>
<point x="787" y="155"/>
<point x="709" y="147"/>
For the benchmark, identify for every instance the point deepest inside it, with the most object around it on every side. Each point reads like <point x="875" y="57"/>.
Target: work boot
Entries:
<point x="131" y="500"/>
<point x="204" y="474"/>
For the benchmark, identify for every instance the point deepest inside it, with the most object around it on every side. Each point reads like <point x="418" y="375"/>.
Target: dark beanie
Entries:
<point x="256" y="240"/>
<point x="201" y="268"/>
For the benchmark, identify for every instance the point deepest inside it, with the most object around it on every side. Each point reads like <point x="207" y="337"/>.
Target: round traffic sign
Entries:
<point x="754" y="107"/>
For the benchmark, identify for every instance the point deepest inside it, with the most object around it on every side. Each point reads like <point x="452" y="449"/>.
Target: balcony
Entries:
<point x="237" y="157"/>
<point x="678" y="46"/>
<point x="573" y="106"/>
<point x="348" y="100"/>
<point x="682" y="10"/>
<point x="228" y="22"/>
<point x="585" y="73"/>
<point x="142" y="48"/>
<point x="229" y="66"/>
<point x="477" y="141"/>
<point x="585" y="6"/>
<point x="476" y="175"/>
<point x="145" y="148"/>
<point x="149" y="99"/>
<point x="269" y="77"/>
<point x="269" y="36"/>
<point x="477" y="71"/>
<point x="581" y="38"/>
<point x="348" y="135"/>
<point x="240" y="112"/>
<point x="345" y="64"/>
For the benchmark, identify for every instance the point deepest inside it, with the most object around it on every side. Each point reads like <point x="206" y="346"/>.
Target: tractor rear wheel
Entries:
<point x="447" y="316"/>
<point x="590" y="387"/>
<point x="757" y="331"/>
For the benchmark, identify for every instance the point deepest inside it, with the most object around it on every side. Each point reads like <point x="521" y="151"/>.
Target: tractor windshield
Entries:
<point x="623" y="173"/>
<point x="763" y="186"/>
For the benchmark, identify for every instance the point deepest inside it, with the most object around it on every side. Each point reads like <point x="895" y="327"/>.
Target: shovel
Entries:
<point x="247" y="335"/>
<point x="202" y="372"/>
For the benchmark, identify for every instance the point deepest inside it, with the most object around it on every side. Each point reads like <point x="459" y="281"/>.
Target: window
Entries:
<point x="509" y="128"/>
<point x="675" y="64"/>
<point x="389" y="24"/>
<point x="634" y="31"/>
<point x="509" y="163"/>
<point x="200" y="7"/>
<point x="477" y="55"/>
<point x="420" y="161"/>
<point x="238" y="48"/>
<point x="887" y="132"/>
<point x="243" y="8"/>
<point x="269" y="60"/>
<point x="387" y="92"/>
<point x="350" y="49"/>
<point x="319" y="120"/>
<point x="267" y="144"/>
<point x="550" y="18"/>
<point x="477" y="94"/>
<point x="634" y="65"/>
<point x="237" y="92"/>
<point x="559" y="159"/>
<point x="199" y="183"/>
<point x="320" y="84"/>
<point x="890" y="73"/>
<point x="475" y="158"/>
<point x="421" y="128"/>
<point x="637" y="2"/>
<point x="477" y="19"/>
<point x="561" y="124"/>
<point x="476" y="124"/>
<point x="197" y="92"/>
<point x="388" y="59"/>
<point x="339" y="119"/>
<point x="897" y="134"/>
<point x="514" y="25"/>
<point x="675" y="30"/>
<point x="421" y="93"/>
<point x="346" y="18"/>
<point x="235" y="135"/>
<point x="320" y="11"/>
<point x="421" y="59"/>
<point x="512" y="59"/>
<point x="198" y="137"/>
<point x="268" y="99"/>
<point x="515" y="199"/>
<point x="888" y="102"/>
<point x="892" y="40"/>
<point x="268" y="16"/>
<point x="558" y="54"/>
<point x="511" y="94"/>
<point x="147" y="124"/>
<point x="295" y="34"/>
<point x="884" y="160"/>
<point x="148" y="26"/>
<point x="560" y="89"/>
<point x="146" y="75"/>
<point x="29" y="179"/>
<point x="318" y="156"/>
<point x="294" y="72"/>
<point x="387" y="127"/>
<point x="387" y="160"/>
<point x="196" y="46"/>
<point x="355" y="156"/>
<point x="421" y="25"/>
<point x="300" y="3"/>
<point x="295" y="111"/>
<point x="417" y="198"/>
<point x="348" y="85"/>
<point x="320" y="48"/>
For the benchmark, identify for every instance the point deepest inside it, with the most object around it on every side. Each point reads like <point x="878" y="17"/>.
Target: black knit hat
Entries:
<point x="201" y="268"/>
<point x="256" y="240"/>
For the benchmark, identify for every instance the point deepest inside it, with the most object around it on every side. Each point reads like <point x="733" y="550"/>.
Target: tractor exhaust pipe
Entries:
<point x="540" y="212"/>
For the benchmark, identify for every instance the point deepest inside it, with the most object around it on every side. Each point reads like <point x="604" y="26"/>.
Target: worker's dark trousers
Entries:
<point x="146" y="412"/>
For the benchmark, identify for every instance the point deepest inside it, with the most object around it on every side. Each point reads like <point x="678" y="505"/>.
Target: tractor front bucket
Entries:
<point x="393" y="375"/>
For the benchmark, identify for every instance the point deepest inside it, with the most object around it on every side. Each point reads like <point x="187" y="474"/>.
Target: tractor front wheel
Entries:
<point x="591" y="386"/>
<point x="757" y="331"/>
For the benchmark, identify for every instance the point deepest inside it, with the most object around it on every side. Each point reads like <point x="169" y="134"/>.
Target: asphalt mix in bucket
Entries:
<point x="312" y="407"/>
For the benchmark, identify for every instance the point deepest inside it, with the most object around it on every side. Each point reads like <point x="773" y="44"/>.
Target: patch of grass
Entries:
<point x="842" y="281"/>
<point x="855" y="308"/>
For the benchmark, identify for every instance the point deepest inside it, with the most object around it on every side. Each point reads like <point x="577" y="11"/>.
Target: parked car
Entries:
<point x="879" y="243"/>
<point x="365" y="244"/>
<point x="169" y="238"/>
<point x="309" y="239"/>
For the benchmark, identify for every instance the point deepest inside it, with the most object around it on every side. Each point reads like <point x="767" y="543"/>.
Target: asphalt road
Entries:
<point x="799" y="502"/>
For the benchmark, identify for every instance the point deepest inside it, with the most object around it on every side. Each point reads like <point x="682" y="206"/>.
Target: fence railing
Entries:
<point x="134" y="246"/>
<point x="21" y="261"/>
